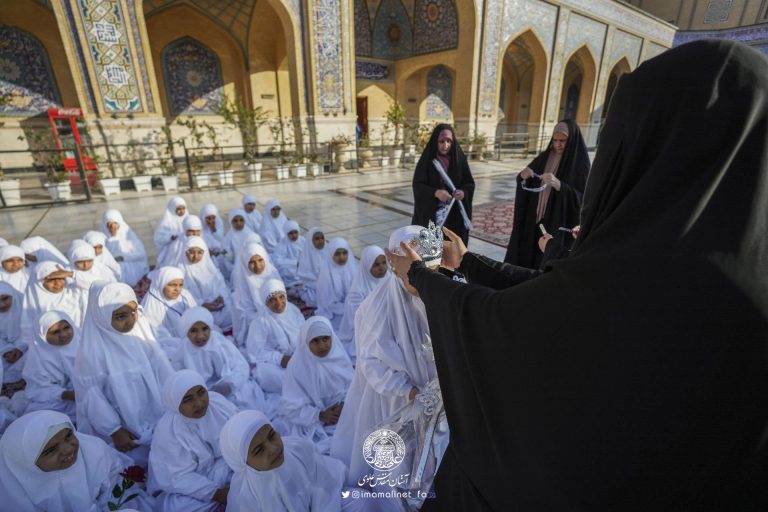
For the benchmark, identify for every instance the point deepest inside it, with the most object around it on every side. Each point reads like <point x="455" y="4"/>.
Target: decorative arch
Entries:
<point x="392" y="34"/>
<point x="439" y="94"/>
<point x="435" y="26"/>
<point x="580" y="70"/>
<point x="25" y="74"/>
<point x="622" y="67"/>
<point x="193" y="78"/>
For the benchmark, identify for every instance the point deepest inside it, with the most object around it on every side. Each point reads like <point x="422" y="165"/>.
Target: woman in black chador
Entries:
<point x="432" y="195"/>
<point x="549" y="192"/>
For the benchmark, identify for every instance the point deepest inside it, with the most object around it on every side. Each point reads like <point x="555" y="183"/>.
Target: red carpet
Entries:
<point x="492" y="222"/>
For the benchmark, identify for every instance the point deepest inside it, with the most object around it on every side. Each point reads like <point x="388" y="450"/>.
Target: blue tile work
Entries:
<point x="392" y="36"/>
<point x="755" y="36"/>
<point x="371" y="71"/>
<point x="132" y="13"/>
<point x="82" y="68"/>
<point x="435" y="26"/>
<point x="439" y="87"/>
<point x="193" y="80"/>
<point x="25" y="74"/>
<point x="363" y="41"/>
<point x="330" y="76"/>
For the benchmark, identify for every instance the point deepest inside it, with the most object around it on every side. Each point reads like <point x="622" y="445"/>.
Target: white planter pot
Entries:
<point x="253" y="172"/>
<point x="142" y="183"/>
<point x="411" y="149"/>
<point x="395" y="154"/>
<point x="11" y="192"/>
<point x="203" y="180"/>
<point x="282" y="171"/>
<point x="110" y="186"/>
<point x="315" y="169"/>
<point x="299" y="170"/>
<point x="170" y="183"/>
<point x="59" y="191"/>
<point x="343" y="154"/>
<point x="226" y="177"/>
<point x="385" y="161"/>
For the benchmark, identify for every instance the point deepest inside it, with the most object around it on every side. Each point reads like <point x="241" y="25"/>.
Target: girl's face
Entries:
<point x="60" y="452"/>
<point x="379" y="267"/>
<point x="6" y="301"/>
<point x="172" y="290"/>
<point x="321" y="346"/>
<point x="124" y="317"/>
<point x="194" y="404"/>
<point x="194" y="255"/>
<point x="199" y="334"/>
<point x="559" y="141"/>
<point x="84" y="265"/>
<point x="54" y="285"/>
<point x="444" y="142"/>
<point x="113" y="227"/>
<point x="98" y="249"/>
<point x="293" y="235"/>
<point x="257" y="264"/>
<point x="12" y="265"/>
<point x="265" y="452"/>
<point x="249" y="207"/>
<point x="193" y="232"/>
<point x="340" y="256"/>
<point x="210" y="221"/>
<point x="60" y="334"/>
<point x="318" y="240"/>
<point x="238" y="223"/>
<point x="277" y="303"/>
<point x="275" y="211"/>
<point x="181" y="210"/>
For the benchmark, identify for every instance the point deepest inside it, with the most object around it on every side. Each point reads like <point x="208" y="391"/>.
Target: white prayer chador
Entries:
<point x="43" y="250"/>
<point x="205" y="282"/>
<point x="234" y="239"/>
<point x="20" y="278"/>
<point x="49" y="368"/>
<point x="3" y="242"/>
<point x="10" y="334"/>
<point x="391" y="330"/>
<point x="37" y="300"/>
<point x="304" y="481"/>
<point x="311" y="261"/>
<point x="162" y="313"/>
<point x="6" y="410"/>
<point x="175" y="256"/>
<point x="362" y="285"/>
<point x="215" y="239"/>
<point x="219" y="363"/>
<point x="253" y="219"/>
<point x="271" y="227"/>
<point x="125" y="244"/>
<point x="272" y="336"/>
<point x="97" y="238"/>
<point x="80" y="250"/>
<point x="118" y="376"/>
<point x="313" y="384"/>
<point x="185" y="461"/>
<point x="246" y="297"/>
<point x="170" y="226"/>
<point x="334" y="283"/>
<point x="86" y="486"/>
<point x="287" y="254"/>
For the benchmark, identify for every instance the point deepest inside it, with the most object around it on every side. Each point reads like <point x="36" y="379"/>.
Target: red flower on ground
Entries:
<point x="135" y="473"/>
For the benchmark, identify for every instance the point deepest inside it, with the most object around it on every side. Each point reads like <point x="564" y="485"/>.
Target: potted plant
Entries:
<point x="169" y="178"/>
<point x="248" y="121"/>
<point x="315" y="167"/>
<point x="365" y="151"/>
<point x="226" y="175"/>
<point x="57" y="181"/>
<point x="341" y="145"/>
<point x="141" y="181"/>
<point x="11" y="190"/>
<point x="395" y="115"/>
<point x="281" y="137"/>
<point x="477" y="145"/>
<point x="197" y="133"/>
<point x="110" y="186"/>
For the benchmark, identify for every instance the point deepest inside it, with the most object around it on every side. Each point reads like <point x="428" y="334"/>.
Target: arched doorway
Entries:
<point x="578" y="85"/>
<point x="619" y="69"/>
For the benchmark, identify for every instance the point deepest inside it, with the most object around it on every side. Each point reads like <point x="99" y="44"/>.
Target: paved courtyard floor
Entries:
<point x="362" y="207"/>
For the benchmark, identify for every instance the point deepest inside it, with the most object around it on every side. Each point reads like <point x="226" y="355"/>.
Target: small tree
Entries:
<point x="247" y="120"/>
<point x="196" y="131"/>
<point x="395" y="115"/>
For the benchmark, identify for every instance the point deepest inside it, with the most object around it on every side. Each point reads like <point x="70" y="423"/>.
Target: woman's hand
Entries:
<point x="123" y="440"/>
<point x="402" y="264"/>
<point x="442" y="195"/>
<point x="453" y="250"/>
<point x="67" y="395"/>
<point x="575" y="231"/>
<point x="330" y="416"/>
<point x="550" y="179"/>
<point x="526" y="173"/>
<point x="220" y="496"/>
<point x="284" y="361"/>
<point x="543" y="241"/>
<point x="413" y="393"/>
<point x="458" y="194"/>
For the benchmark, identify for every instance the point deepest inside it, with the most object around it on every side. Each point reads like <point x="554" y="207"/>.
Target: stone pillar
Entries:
<point x="555" y="76"/>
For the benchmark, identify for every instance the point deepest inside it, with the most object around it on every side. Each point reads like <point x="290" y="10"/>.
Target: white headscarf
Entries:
<point x="272" y="228"/>
<point x="282" y="329"/>
<point x="234" y="240"/>
<point x="202" y="280"/>
<point x="316" y="381"/>
<point x="95" y="238"/>
<point x="17" y="279"/>
<point x="247" y="284"/>
<point x="305" y="480"/>
<point x="43" y="250"/>
<point x="127" y="244"/>
<point x="50" y="364"/>
<point x="335" y="280"/>
<point x="288" y="251"/>
<point x="192" y="222"/>
<point x="311" y="259"/>
<point x="80" y="250"/>
<point x="253" y="219"/>
<point x="170" y="225"/>
<point x="185" y="457"/>
<point x="128" y="369"/>
<point x="10" y="321"/>
<point x="3" y="242"/>
<point x="163" y="313"/>
<point x="26" y="487"/>
<point x="38" y="300"/>
<point x="362" y="285"/>
<point x="209" y="236"/>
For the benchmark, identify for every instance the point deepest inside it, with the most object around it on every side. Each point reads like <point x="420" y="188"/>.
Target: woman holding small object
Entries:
<point x="443" y="185"/>
<point x="549" y="192"/>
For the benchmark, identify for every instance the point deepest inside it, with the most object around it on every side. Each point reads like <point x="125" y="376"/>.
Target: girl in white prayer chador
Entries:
<point x="288" y="252"/>
<point x="85" y="268"/>
<point x="13" y="345"/>
<point x="51" y="290"/>
<point x="252" y="213"/>
<point x="46" y="465"/>
<point x="315" y="384"/>
<point x="218" y="361"/>
<point x="273" y="336"/>
<point x="394" y="358"/>
<point x="311" y="261"/>
<point x="125" y="246"/>
<point x="238" y="235"/>
<point x="98" y="241"/>
<point x="119" y="372"/>
<point x="13" y="269"/>
<point x="335" y="281"/>
<point x="213" y="234"/>
<point x="191" y="226"/>
<point x="253" y="269"/>
<point x="205" y="283"/>
<point x="169" y="231"/>
<point x="185" y="462"/>
<point x="51" y="363"/>
<point x="164" y="304"/>
<point x="272" y="225"/>
<point x="370" y="271"/>
<point x="37" y="250"/>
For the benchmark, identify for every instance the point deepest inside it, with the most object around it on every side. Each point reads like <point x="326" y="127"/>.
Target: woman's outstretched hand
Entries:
<point x="453" y="250"/>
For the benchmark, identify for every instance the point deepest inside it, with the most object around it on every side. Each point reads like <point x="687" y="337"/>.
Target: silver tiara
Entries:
<point x="429" y="243"/>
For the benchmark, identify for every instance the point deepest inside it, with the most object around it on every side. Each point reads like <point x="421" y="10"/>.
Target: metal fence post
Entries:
<point x="189" y="166"/>
<point x="81" y="171"/>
